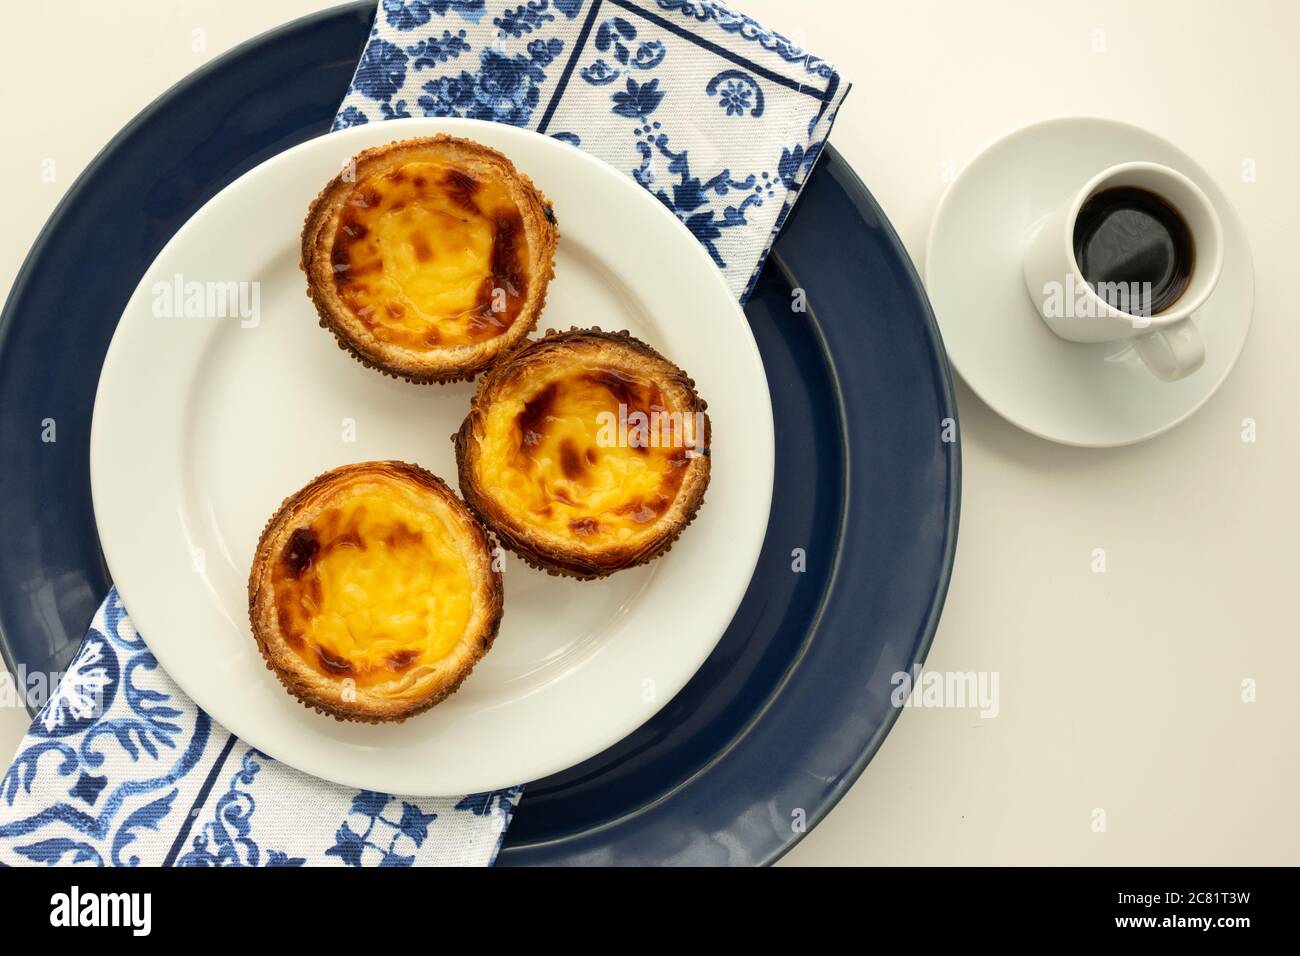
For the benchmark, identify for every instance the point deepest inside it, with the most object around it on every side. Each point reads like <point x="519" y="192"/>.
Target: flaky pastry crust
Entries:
<point x="283" y="561"/>
<point x="327" y="234"/>
<point x="618" y="533"/>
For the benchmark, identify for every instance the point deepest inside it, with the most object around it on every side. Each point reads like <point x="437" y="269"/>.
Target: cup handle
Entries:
<point x="1172" y="353"/>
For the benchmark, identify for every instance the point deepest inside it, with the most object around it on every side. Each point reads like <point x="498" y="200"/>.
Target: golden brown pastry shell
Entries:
<point x="597" y="347"/>
<point x="326" y="694"/>
<point x="449" y="364"/>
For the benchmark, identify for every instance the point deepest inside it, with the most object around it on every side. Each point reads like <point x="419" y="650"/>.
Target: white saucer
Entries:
<point x="1087" y="395"/>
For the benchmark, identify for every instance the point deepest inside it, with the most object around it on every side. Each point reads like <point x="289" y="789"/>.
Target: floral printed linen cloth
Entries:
<point x="721" y="120"/>
<point x="120" y="768"/>
<point x="718" y="117"/>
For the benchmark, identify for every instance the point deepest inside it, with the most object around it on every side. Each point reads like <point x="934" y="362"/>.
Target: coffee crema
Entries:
<point x="1134" y="249"/>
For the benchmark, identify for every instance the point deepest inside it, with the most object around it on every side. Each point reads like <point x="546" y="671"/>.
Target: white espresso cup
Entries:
<point x="1167" y="341"/>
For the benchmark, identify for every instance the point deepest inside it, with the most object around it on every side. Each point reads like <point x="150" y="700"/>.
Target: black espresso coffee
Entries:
<point x="1134" y="249"/>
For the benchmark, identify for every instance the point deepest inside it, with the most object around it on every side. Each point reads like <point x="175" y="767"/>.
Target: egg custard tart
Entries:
<point x="585" y="452"/>
<point x="428" y="258"/>
<point x="372" y="593"/>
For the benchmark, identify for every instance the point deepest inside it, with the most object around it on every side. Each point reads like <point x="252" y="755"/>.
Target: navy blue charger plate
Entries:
<point x="795" y="700"/>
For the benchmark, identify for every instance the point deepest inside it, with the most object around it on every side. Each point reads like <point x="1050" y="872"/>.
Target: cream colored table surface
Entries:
<point x="1120" y="691"/>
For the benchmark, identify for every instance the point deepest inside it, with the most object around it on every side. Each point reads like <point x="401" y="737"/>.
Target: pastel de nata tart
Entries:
<point x="372" y="593"/>
<point x="428" y="258"/>
<point x="585" y="452"/>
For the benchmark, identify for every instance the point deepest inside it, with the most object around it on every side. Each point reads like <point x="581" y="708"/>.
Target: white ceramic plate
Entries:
<point x="1088" y="395"/>
<point x="203" y="425"/>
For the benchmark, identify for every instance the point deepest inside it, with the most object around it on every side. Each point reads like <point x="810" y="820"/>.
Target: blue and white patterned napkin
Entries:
<point x="120" y="768"/>
<point x="717" y="116"/>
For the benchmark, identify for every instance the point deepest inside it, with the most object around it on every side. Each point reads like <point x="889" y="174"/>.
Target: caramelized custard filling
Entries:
<point x="374" y="587"/>
<point x="427" y="256"/>
<point x="593" y="455"/>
